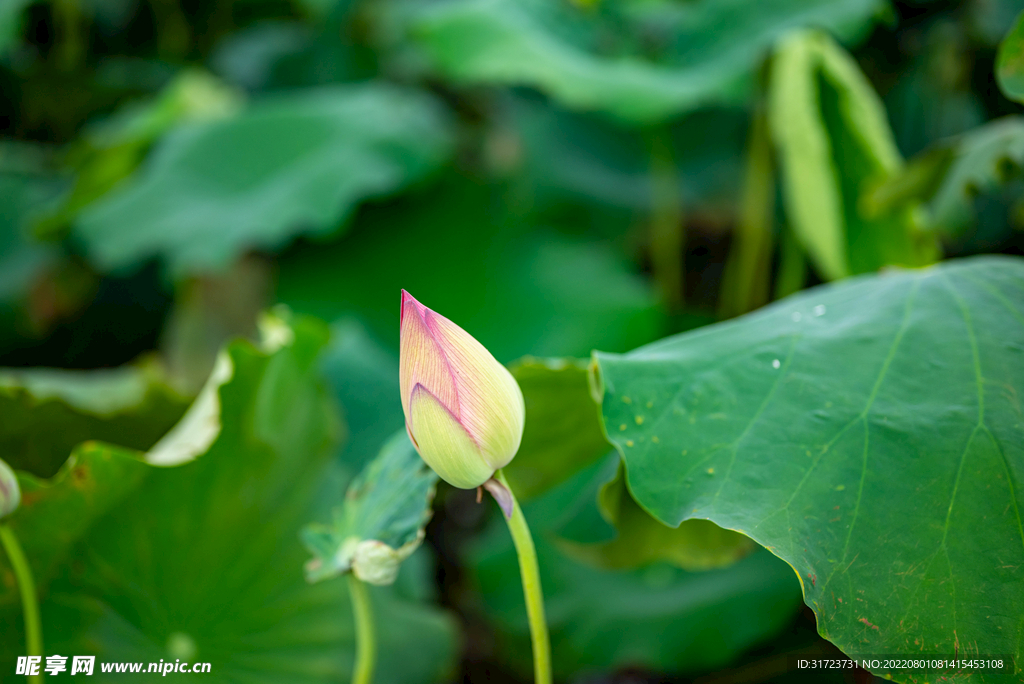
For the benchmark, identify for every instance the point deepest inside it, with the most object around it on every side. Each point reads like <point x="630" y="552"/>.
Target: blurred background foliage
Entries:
<point x="556" y="176"/>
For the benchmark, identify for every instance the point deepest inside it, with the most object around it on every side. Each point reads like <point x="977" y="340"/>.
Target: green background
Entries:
<point x="756" y="266"/>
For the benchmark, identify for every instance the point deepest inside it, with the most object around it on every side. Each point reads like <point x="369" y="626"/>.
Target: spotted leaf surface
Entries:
<point x="870" y="434"/>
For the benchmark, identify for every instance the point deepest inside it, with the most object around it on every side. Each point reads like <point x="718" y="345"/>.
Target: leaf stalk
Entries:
<point x="366" y="639"/>
<point x="532" y="592"/>
<point x="27" y="587"/>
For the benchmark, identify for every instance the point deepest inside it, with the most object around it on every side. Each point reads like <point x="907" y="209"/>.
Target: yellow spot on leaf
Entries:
<point x="629" y="442"/>
<point x="627" y="400"/>
<point x="710" y="471"/>
<point x="654" y="438"/>
<point x="639" y="420"/>
<point x="622" y="427"/>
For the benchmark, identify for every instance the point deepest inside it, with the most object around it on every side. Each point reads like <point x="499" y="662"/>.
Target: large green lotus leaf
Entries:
<point x="203" y="560"/>
<point x="380" y="521"/>
<point x="459" y="250"/>
<point x="658" y="617"/>
<point x="641" y="62"/>
<point x="832" y="135"/>
<point x="110" y="151"/>
<point x="1010" y="61"/>
<point x="46" y="413"/>
<point x="563" y="431"/>
<point x="863" y="148"/>
<point x="307" y="636"/>
<point x="584" y="500"/>
<point x="53" y="423"/>
<point x="56" y="512"/>
<point x="869" y="434"/>
<point x="291" y="163"/>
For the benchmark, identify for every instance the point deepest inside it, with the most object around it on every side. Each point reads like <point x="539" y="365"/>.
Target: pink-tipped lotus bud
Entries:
<point x="463" y="410"/>
<point x="10" y="492"/>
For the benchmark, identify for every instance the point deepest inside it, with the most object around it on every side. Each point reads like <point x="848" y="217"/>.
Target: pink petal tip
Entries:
<point x="409" y="300"/>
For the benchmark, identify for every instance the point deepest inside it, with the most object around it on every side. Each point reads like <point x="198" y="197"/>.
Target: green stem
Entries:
<point x="531" y="588"/>
<point x="668" y="231"/>
<point x="748" y="269"/>
<point x="67" y="18"/>
<point x="27" y="586"/>
<point x="172" y="38"/>
<point x="366" y="641"/>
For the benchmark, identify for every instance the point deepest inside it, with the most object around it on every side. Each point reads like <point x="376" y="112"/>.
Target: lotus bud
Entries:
<point x="464" y="411"/>
<point x="10" y="492"/>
